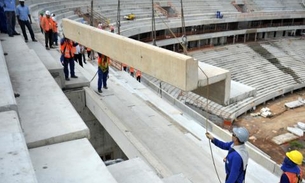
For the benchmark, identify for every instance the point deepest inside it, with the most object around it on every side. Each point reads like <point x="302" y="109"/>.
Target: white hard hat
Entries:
<point x="21" y="0"/>
<point x="241" y="133"/>
<point x="48" y="12"/>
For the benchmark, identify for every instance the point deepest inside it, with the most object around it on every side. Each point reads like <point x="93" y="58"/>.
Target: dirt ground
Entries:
<point x="262" y="130"/>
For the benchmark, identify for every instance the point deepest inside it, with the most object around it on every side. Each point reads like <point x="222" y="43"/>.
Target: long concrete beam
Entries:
<point x="176" y="69"/>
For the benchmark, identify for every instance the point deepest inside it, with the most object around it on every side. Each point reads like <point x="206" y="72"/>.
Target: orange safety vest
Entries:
<point x="293" y="177"/>
<point x="54" y="26"/>
<point x="67" y="49"/>
<point x="138" y="73"/>
<point x="47" y="23"/>
<point x="102" y="63"/>
<point x="131" y="69"/>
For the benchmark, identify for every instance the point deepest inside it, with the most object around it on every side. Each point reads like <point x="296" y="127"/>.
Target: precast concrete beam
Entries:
<point x="214" y="83"/>
<point x="176" y="69"/>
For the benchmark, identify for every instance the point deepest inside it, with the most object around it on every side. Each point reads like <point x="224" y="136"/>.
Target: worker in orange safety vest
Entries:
<point x="47" y="26"/>
<point x="103" y="69"/>
<point x="292" y="173"/>
<point x="138" y="75"/>
<point x="67" y="48"/>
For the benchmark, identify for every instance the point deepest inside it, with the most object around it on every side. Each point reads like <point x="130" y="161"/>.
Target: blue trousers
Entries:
<point x="11" y="22"/>
<point x="102" y="79"/>
<point x="27" y="24"/>
<point x="69" y="62"/>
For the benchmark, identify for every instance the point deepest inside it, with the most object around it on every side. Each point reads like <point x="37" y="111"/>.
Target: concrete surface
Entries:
<point x="7" y="101"/>
<point x="133" y="171"/>
<point x="54" y="66"/>
<point x="179" y="178"/>
<point x="15" y="162"/>
<point x="46" y="114"/>
<point x="69" y="162"/>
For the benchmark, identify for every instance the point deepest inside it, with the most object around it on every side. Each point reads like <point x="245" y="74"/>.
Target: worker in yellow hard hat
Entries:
<point x="292" y="173"/>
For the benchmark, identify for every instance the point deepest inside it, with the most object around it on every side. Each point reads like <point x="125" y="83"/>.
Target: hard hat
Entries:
<point x="48" y="12"/>
<point x="241" y="133"/>
<point x="21" y="0"/>
<point x="295" y="156"/>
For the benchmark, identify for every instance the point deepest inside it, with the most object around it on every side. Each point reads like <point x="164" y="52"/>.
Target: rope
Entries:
<point x="207" y="104"/>
<point x="206" y="124"/>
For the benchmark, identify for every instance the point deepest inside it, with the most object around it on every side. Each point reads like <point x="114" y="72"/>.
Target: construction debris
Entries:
<point x="295" y="104"/>
<point x="297" y="131"/>
<point x="301" y="125"/>
<point x="264" y="112"/>
<point x="283" y="138"/>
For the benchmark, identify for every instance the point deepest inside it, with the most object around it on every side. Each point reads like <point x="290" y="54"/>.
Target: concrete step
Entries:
<point x="134" y="171"/>
<point x="16" y="165"/>
<point x="47" y="116"/>
<point x="8" y="101"/>
<point x="70" y="162"/>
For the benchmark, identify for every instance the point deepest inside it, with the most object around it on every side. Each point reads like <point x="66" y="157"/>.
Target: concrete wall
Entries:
<point x="99" y="137"/>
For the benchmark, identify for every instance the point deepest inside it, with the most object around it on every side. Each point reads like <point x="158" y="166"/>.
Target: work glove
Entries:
<point x="209" y="136"/>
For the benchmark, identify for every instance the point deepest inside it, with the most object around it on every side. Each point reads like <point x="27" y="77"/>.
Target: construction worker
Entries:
<point x="292" y="173"/>
<point x="237" y="158"/>
<point x="124" y="66"/>
<point x="88" y="53"/>
<point x="25" y="20"/>
<point x="131" y="70"/>
<point x="40" y="20"/>
<point x="9" y="11"/>
<point x="103" y="69"/>
<point x="67" y="48"/>
<point x="138" y="75"/>
<point x="47" y="26"/>
<point x="55" y="31"/>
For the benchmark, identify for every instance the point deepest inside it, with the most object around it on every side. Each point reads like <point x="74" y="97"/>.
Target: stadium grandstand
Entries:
<point x="203" y="63"/>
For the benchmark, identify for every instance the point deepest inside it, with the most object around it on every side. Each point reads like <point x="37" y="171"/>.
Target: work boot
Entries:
<point x="74" y="76"/>
<point x="100" y="91"/>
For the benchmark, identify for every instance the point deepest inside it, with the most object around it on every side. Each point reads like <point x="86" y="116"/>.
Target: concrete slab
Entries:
<point x="134" y="171"/>
<point x="7" y="101"/>
<point x="149" y="59"/>
<point x="286" y="137"/>
<point x="47" y="116"/>
<point x="219" y="81"/>
<point x="240" y="92"/>
<point x="179" y="178"/>
<point x="69" y="162"/>
<point x="54" y="66"/>
<point x="15" y="161"/>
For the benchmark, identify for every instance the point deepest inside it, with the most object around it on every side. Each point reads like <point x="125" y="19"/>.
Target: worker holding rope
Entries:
<point x="236" y="160"/>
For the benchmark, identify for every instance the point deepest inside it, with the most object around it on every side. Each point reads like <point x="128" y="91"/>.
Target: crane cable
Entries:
<point x="207" y="104"/>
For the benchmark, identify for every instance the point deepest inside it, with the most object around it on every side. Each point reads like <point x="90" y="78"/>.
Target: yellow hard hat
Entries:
<point x="295" y="156"/>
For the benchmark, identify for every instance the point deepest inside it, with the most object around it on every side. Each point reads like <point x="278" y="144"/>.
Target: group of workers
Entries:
<point x="131" y="70"/>
<point x="236" y="160"/>
<point x="22" y="13"/>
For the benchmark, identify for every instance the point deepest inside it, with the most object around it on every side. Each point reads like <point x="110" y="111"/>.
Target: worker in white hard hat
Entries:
<point x="292" y="173"/>
<point x="47" y="26"/>
<point x="237" y="158"/>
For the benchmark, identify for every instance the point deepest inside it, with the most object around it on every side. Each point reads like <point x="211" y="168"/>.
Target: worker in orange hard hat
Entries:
<point x="292" y="173"/>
